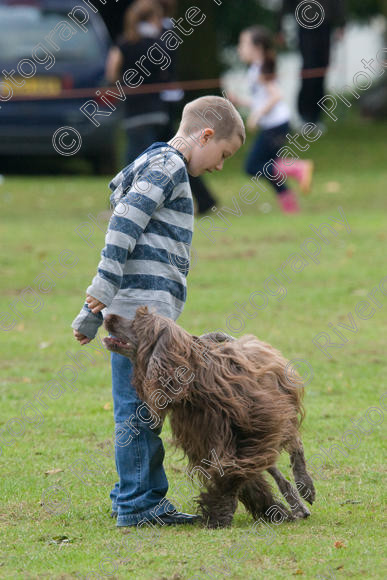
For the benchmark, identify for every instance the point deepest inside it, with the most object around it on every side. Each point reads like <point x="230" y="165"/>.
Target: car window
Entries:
<point x="23" y="27"/>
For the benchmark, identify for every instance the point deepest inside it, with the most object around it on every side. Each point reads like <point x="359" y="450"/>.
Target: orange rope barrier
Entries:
<point x="151" y="88"/>
<point x="313" y="73"/>
<point x="146" y="89"/>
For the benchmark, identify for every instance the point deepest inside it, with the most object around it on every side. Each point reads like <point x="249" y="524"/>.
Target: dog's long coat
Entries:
<point x="230" y="395"/>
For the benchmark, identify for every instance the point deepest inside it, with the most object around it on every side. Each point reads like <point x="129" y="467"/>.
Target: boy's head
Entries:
<point x="215" y="130"/>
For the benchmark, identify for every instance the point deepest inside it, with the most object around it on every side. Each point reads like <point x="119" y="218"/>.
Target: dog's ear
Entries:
<point x="159" y="353"/>
<point x="168" y="372"/>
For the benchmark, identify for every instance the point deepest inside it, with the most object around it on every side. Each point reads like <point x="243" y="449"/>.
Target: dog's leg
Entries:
<point x="301" y="476"/>
<point x="218" y="504"/>
<point x="299" y="510"/>
<point x="257" y="497"/>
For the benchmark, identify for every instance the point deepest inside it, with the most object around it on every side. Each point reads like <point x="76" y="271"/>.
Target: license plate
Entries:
<point x="50" y="86"/>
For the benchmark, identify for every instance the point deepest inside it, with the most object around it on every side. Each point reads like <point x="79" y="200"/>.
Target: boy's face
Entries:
<point x="211" y="154"/>
<point x="247" y="51"/>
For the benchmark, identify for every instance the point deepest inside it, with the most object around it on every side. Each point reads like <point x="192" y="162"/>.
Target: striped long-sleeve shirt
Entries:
<point x="147" y="246"/>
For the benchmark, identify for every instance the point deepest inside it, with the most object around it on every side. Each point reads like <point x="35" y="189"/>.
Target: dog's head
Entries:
<point x="145" y="332"/>
<point x="124" y="340"/>
<point x="159" y="349"/>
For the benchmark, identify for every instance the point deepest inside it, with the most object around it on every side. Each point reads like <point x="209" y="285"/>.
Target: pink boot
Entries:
<point x="288" y="202"/>
<point x="302" y="171"/>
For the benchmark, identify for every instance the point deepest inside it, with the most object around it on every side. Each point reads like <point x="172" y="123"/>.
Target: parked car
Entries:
<point x="29" y="30"/>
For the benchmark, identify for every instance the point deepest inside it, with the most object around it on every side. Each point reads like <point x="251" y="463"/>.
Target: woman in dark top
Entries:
<point x="146" y="114"/>
<point x="151" y="117"/>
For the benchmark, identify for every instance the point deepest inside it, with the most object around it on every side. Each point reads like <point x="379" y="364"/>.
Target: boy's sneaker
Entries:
<point x="168" y="520"/>
<point x="178" y="518"/>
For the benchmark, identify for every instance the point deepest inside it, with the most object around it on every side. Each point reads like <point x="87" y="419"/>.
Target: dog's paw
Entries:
<point x="306" y="487"/>
<point x="278" y="513"/>
<point x="310" y="492"/>
<point x="217" y="524"/>
<point x="300" y="512"/>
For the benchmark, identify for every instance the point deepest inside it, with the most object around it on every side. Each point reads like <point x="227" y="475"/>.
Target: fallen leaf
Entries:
<point x="298" y="572"/>
<point x="60" y="540"/>
<point x="20" y="327"/>
<point x="339" y="544"/>
<point x="265" y="207"/>
<point x="332" y="187"/>
<point x="53" y="471"/>
<point x="26" y="380"/>
<point x="44" y="344"/>
<point x="107" y="406"/>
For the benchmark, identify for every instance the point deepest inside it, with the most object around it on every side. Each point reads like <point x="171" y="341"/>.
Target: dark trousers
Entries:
<point x="139" y="139"/>
<point x="265" y="148"/>
<point x="315" y="52"/>
<point x="203" y="196"/>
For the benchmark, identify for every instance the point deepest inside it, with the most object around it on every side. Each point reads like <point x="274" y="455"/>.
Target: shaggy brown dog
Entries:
<point x="228" y="395"/>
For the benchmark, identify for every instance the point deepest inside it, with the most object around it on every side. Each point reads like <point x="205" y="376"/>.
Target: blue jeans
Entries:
<point x="139" y="453"/>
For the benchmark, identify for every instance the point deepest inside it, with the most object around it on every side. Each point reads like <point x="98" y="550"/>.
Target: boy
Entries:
<point x="149" y="233"/>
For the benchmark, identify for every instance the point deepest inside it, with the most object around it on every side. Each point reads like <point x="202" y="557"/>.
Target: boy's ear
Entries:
<point x="209" y="133"/>
<point x="206" y="135"/>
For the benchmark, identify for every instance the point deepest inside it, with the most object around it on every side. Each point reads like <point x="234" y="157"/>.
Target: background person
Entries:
<point x="269" y="111"/>
<point x="174" y="101"/>
<point x="151" y="117"/>
<point x="146" y="114"/>
<point x="315" y="48"/>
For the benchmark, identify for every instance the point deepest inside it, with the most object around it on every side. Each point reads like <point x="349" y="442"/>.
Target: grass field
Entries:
<point x="71" y="534"/>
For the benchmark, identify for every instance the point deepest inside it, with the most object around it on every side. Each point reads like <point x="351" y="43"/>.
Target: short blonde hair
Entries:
<point x="224" y="119"/>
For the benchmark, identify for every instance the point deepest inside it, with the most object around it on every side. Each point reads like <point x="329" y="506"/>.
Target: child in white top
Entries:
<point x="269" y="111"/>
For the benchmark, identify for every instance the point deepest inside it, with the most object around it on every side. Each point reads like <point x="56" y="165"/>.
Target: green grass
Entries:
<point x="40" y="217"/>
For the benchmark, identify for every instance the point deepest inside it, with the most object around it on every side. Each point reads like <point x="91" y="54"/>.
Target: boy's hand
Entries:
<point x="81" y="337"/>
<point x="94" y="304"/>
